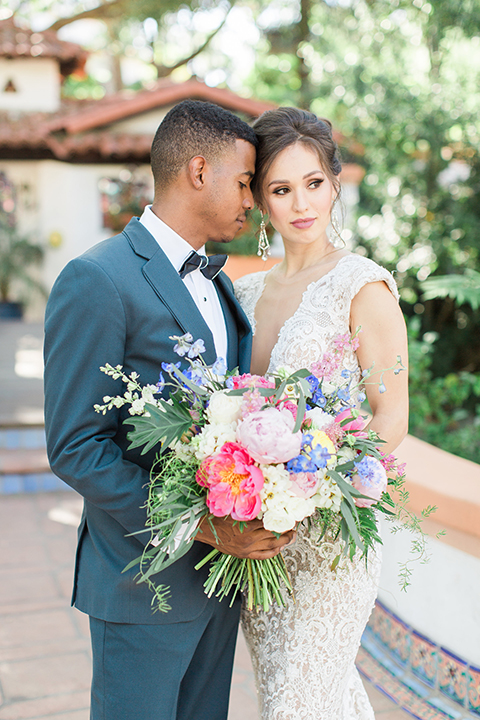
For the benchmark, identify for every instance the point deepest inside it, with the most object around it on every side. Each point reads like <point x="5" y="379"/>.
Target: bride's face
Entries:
<point x="298" y="195"/>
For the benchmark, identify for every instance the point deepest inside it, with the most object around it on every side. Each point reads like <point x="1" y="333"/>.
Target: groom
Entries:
<point x="119" y="303"/>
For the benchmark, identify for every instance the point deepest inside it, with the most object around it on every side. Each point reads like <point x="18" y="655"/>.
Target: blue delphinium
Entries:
<point x="219" y="367"/>
<point x="301" y="464"/>
<point x="320" y="456"/>
<point x="170" y="367"/>
<point x="183" y="344"/>
<point x="161" y="383"/>
<point x="196" y="349"/>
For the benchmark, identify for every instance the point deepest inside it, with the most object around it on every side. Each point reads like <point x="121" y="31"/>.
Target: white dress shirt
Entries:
<point x="202" y="290"/>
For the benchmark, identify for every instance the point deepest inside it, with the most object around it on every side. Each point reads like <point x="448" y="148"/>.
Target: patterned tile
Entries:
<point x="452" y="676"/>
<point x="474" y="690"/>
<point x="423" y="658"/>
<point x="391" y="686"/>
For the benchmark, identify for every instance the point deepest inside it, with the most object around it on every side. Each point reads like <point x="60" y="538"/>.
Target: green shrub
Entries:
<point x="443" y="410"/>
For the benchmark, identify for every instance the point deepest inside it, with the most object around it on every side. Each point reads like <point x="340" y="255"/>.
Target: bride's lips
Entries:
<point x="303" y="223"/>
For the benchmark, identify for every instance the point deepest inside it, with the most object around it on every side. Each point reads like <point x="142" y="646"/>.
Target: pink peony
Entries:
<point x="247" y="380"/>
<point x="268" y="435"/>
<point x="304" y="484"/>
<point x="233" y="483"/>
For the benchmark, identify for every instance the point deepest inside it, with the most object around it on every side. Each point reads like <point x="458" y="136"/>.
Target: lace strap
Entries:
<point x="360" y="271"/>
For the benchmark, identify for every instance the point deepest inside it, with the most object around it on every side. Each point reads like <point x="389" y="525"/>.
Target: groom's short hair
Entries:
<point x="194" y="128"/>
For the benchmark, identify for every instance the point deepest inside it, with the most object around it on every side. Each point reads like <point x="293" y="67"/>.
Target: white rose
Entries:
<point x="328" y="388"/>
<point x="346" y="454"/>
<point x="223" y="408"/>
<point x="278" y="521"/>
<point x="320" y="419"/>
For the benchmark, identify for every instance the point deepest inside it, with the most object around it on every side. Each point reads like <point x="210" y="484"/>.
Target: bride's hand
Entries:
<point x="254" y="543"/>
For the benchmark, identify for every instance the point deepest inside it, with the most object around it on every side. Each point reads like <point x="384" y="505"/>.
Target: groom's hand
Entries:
<point x="254" y="542"/>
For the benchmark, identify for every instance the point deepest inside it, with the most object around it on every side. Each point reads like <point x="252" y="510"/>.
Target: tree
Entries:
<point x="399" y="78"/>
<point x="125" y="31"/>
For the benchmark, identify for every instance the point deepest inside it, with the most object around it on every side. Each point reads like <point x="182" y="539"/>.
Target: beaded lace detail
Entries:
<point x="304" y="654"/>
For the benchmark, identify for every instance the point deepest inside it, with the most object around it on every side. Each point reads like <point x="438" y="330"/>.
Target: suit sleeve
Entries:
<point x="85" y="327"/>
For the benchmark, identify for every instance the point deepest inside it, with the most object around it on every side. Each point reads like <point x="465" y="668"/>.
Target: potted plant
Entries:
<point x="16" y="255"/>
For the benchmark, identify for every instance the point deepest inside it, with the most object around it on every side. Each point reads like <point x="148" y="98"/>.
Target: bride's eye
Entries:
<point x="316" y="183"/>
<point x="281" y="191"/>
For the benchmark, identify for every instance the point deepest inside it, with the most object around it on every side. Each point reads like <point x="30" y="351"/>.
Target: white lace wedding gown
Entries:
<point x="304" y="654"/>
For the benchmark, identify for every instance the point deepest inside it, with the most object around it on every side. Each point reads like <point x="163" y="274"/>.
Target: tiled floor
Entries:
<point x="44" y="645"/>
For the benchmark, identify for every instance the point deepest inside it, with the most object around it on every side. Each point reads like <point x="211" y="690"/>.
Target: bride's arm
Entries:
<point x="382" y="339"/>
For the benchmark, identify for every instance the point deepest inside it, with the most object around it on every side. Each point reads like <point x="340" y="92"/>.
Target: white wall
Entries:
<point x="37" y="81"/>
<point x="144" y="123"/>
<point x="62" y="202"/>
<point x="443" y="601"/>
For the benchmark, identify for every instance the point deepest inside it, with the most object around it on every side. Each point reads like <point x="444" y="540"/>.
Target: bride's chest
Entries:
<point x="297" y="331"/>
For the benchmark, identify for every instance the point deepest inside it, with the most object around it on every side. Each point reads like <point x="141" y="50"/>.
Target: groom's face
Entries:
<point x="229" y="196"/>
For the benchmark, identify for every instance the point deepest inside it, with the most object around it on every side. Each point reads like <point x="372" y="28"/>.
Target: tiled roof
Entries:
<point x="81" y="130"/>
<point x="17" y="42"/>
<point x="163" y="94"/>
<point x="84" y="131"/>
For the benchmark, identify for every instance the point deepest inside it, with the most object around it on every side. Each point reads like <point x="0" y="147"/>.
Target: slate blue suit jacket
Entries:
<point x="119" y="303"/>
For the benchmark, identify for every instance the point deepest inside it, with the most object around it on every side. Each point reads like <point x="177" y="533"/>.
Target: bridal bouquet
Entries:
<point x="287" y="448"/>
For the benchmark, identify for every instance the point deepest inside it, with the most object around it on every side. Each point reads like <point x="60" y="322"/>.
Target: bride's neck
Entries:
<point x="299" y="258"/>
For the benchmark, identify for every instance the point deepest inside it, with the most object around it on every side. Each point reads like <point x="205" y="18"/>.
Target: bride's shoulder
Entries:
<point x="355" y="271"/>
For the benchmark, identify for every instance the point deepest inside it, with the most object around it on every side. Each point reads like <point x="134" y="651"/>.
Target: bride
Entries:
<point x="304" y="654"/>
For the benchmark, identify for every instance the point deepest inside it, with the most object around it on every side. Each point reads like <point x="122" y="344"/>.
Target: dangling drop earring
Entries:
<point x="263" y="244"/>
<point x="337" y="241"/>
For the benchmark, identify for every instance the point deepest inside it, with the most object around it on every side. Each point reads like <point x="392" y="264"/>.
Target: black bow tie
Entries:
<point x="209" y="266"/>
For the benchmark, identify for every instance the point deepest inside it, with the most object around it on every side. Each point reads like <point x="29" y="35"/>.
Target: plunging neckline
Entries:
<point x="307" y="290"/>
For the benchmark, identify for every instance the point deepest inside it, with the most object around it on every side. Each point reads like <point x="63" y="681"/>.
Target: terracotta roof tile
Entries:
<point x="18" y="42"/>
<point x="80" y="132"/>
<point x="164" y="93"/>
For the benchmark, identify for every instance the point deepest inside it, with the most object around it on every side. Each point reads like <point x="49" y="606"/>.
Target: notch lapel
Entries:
<point x="165" y="281"/>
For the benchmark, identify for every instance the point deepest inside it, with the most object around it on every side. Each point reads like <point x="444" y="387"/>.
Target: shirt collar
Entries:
<point x="173" y="245"/>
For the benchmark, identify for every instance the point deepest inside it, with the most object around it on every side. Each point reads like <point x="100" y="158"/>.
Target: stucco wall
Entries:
<point x="37" y="81"/>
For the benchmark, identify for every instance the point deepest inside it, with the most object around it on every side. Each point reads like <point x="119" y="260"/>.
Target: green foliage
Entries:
<point x="462" y="288"/>
<point x="444" y="410"/>
<point x="16" y="255"/>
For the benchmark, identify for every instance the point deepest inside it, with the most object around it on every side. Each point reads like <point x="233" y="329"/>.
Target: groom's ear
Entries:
<point x="196" y="171"/>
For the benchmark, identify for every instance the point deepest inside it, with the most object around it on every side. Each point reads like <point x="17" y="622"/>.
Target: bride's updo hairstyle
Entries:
<point x="285" y="126"/>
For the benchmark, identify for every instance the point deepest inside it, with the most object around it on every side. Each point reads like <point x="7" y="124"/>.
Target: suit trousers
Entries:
<point x="179" y="671"/>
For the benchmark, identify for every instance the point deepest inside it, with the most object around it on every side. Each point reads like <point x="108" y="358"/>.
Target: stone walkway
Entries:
<point x="44" y="645"/>
<point x="45" y="661"/>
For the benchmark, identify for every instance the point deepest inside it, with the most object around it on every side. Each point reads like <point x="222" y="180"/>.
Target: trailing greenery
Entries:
<point x="444" y="411"/>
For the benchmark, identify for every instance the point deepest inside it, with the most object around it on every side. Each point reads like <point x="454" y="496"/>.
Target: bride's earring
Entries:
<point x="263" y="244"/>
<point x="336" y="240"/>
